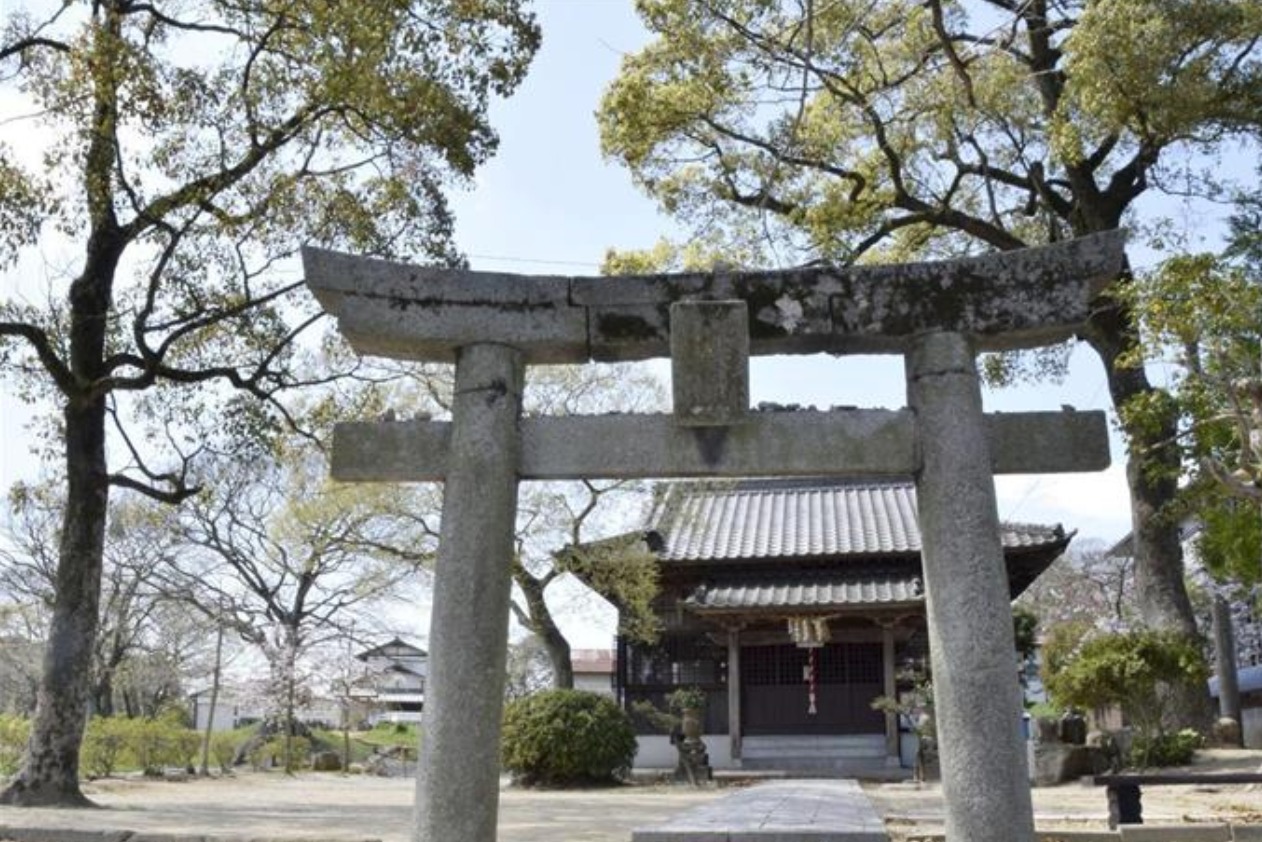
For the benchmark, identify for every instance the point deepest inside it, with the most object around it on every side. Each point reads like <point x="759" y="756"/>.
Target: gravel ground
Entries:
<point x="333" y="807"/>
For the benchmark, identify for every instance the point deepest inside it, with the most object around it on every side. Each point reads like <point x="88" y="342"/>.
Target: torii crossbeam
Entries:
<point x="938" y="315"/>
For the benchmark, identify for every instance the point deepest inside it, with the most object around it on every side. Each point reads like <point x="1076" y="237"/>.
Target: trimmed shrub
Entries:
<point x="223" y="748"/>
<point x="104" y="741"/>
<point x="149" y="741"/>
<point x="567" y="738"/>
<point x="1174" y="749"/>
<point x="185" y="747"/>
<point x="14" y="732"/>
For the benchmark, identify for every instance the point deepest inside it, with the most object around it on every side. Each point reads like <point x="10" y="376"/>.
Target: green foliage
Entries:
<point x="385" y="734"/>
<point x="893" y="129"/>
<point x="1025" y="628"/>
<point x="14" y="732"/>
<point x="114" y="743"/>
<point x="1229" y="542"/>
<point x="223" y="750"/>
<point x="567" y="738"/>
<point x="1044" y="710"/>
<point x="1128" y="670"/>
<point x="261" y="756"/>
<point x="155" y="743"/>
<point x="299" y="752"/>
<point x="645" y="712"/>
<point x="1176" y="749"/>
<point x="104" y="742"/>
<point x="686" y="698"/>
<point x="624" y="572"/>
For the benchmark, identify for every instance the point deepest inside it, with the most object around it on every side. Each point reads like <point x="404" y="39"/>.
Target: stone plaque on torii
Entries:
<point x="937" y="315"/>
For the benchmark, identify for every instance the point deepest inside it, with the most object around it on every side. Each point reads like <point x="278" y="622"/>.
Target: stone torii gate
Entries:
<point x="938" y="315"/>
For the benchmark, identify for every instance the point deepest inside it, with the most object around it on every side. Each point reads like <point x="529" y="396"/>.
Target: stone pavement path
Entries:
<point x="783" y="811"/>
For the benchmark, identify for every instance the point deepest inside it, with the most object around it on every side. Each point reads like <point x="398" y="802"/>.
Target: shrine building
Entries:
<point x="793" y="603"/>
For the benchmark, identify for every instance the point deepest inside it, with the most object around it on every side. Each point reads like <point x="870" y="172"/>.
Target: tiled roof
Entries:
<point x="798" y="518"/>
<point x="831" y="590"/>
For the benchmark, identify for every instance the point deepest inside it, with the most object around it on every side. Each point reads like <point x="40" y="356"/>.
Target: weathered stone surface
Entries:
<point x="1014" y="299"/>
<point x="709" y="357"/>
<point x="403" y="311"/>
<point x="45" y="834"/>
<point x="457" y="789"/>
<point x="858" y="442"/>
<point x="976" y="694"/>
<point x="1176" y="833"/>
<point x="1056" y="763"/>
<point x="1042" y="836"/>
<point x="1048" y="442"/>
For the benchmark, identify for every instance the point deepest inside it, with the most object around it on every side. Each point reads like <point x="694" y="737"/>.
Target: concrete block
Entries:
<point x="1176" y="833"/>
<point x="709" y="353"/>
<point x="1246" y="832"/>
<point x="1077" y="836"/>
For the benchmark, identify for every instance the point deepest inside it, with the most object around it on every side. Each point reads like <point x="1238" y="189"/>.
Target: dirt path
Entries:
<point x="333" y="807"/>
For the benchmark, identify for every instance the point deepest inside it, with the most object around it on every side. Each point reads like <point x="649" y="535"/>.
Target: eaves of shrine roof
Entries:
<point x="830" y="591"/>
<point x="759" y="520"/>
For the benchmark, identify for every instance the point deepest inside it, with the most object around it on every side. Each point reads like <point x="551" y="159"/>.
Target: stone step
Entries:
<point x="863" y="747"/>
<point x="810" y="767"/>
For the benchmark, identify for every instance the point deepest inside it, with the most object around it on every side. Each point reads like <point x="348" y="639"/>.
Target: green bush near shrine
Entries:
<point x="564" y="738"/>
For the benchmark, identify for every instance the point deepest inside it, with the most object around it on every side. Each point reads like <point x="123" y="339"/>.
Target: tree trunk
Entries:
<point x="103" y="695"/>
<point x="291" y="694"/>
<point x="214" y="701"/>
<point x="1225" y="664"/>
<point x="1152" y="471"/>
<point x="540" y="622"/>
<point x="50" y="770"/>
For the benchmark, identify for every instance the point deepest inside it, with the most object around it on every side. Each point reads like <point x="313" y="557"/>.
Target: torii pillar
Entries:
<point x="938" y="315"/>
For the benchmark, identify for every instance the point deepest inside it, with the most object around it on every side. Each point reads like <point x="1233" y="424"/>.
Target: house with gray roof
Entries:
<point x="392" y="686"/>
<point x="793" y="604"/>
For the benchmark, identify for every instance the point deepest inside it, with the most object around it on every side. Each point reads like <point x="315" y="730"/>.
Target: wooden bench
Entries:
<point x="1124" y="789"/>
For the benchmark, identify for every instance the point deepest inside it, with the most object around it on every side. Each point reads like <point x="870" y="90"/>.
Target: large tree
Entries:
<point x="857" y="130"/>
<point x="193" y="148"/>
